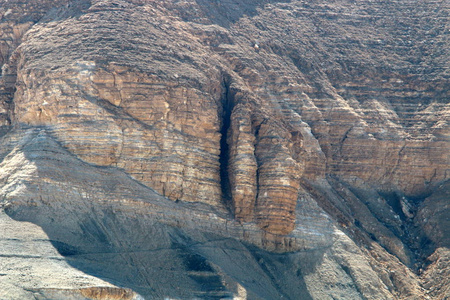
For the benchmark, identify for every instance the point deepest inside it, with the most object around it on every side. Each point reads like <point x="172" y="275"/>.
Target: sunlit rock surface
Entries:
<point x="232" y="149"/>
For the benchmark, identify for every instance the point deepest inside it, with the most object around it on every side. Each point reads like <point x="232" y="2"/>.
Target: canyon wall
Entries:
<point x="282" y="126"/>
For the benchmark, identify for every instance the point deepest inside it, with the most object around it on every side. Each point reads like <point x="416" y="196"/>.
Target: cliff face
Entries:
<point x="218" y="135"/>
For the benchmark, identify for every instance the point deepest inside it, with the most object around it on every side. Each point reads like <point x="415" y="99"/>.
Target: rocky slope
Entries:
<point x="206" y="149"/>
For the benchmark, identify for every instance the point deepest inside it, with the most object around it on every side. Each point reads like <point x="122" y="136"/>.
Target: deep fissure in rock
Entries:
<point x="418" y="246"/>
<point x="227" y="108"/>
<point x="7" y="91"/>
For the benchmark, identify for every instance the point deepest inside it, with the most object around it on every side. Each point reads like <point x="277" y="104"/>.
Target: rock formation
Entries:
<point x="212" y="149"/>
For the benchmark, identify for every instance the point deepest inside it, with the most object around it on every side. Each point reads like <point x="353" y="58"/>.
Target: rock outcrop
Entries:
<point x="202" y="131"/>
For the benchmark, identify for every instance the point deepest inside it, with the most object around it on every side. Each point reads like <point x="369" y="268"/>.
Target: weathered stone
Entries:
<point x="291" y="126"/>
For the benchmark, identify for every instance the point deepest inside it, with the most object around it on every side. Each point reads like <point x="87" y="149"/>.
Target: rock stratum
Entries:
<point x="224" y="149"/>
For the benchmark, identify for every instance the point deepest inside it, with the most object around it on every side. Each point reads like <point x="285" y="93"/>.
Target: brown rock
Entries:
<point x="263" y="122"/>
<point x="243" y="166"/>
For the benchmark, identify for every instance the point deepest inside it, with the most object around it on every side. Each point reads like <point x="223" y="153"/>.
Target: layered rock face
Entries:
<point x="285" y="125"/>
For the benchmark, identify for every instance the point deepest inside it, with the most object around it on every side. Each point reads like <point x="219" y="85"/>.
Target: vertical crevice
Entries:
<point x="258" y="163"/>
<point x="8" y="80"/>
<point x="227" y="102"/>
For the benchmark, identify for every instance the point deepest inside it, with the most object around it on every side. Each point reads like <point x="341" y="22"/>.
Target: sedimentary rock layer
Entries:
<point x="287" y="125"/>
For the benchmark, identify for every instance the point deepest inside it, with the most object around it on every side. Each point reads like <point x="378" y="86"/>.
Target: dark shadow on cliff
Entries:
<point x="223" y="13"/>
<point x="378" y="216"/>
<point x="35" y="11"/>
<point x="138" y="242"/>
<point x="72" y="9"/>
<point x="227" y="12"/>
<point x="159" y="261"/>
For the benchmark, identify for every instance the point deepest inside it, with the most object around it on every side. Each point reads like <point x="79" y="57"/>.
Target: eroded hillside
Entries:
<point x="213" y="149"/>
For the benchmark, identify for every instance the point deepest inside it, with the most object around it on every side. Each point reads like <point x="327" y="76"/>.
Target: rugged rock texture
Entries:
<point x="28" y="255"/>
<point x="247" y="149"/>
